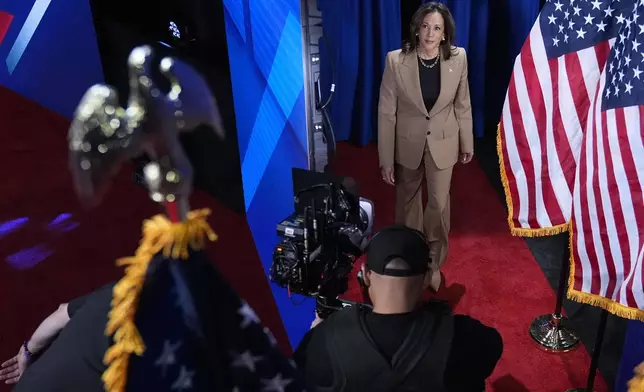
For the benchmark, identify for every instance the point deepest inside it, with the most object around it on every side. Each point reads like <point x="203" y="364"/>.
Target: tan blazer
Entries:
<point x="403" y="121"/>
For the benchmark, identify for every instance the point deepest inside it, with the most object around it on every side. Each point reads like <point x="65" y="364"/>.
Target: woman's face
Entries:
<point x="431" y="33"/>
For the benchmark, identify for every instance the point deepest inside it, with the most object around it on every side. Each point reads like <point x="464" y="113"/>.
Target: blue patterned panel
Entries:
<point x="267" y="20"/>
<point x="235" y="9"/>
<point x="269" y="124"/>
<point x="297" y="118"/>
<point x="285" y="84"/>
<point x="287" y="74"/>
<point x="268" y="90"/>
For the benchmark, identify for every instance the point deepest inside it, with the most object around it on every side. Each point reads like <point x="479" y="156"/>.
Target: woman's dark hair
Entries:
<point x="449" y="30"/>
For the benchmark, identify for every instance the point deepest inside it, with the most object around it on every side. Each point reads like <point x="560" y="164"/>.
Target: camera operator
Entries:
<point x="402" y="344"/>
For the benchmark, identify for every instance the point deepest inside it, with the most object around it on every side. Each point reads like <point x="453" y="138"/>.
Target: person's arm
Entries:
<point x="476" y="350"/>
<point x="12" y="369"/>
<point x="48" y="329"/>
<point x="463" y="111"/>
<point x="387" y="106"/>
<point x="299" y="355"/>
<point x="312" y="359"/>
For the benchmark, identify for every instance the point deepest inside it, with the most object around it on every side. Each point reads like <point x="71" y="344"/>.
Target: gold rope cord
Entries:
<point x="159" y="234"/>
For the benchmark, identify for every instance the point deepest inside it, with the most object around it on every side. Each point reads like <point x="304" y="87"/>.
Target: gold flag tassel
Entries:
<point x="637" y="383"/>
<point x="159" y="234"/>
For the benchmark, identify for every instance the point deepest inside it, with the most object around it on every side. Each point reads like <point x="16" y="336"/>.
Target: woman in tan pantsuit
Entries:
<point x="425" y="125"/>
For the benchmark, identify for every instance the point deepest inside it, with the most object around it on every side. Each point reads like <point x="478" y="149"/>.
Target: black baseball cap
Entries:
<point x="398" y="242"/>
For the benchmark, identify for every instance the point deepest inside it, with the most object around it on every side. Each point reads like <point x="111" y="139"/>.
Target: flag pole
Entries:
<point x="594" y="361"/>
<point x="553" y="332"/>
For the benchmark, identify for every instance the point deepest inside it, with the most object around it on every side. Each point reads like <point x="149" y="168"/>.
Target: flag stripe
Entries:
<point x="527" y="216"/>
<point x="533" y="112"/>
<point x="618" y="229"/>
<point x="579" y="222"/>
<point x="605" y="217"/>
<point x="538" y="81"/>
<point x="630" y="192"/>
<point x="589" y="208"/>
<point x="562" y="138"/>
<point x="580" y="91"/>
<point x="629" y="236"/>
<point x="512" y="177"/>
<point x="525" y="117"/>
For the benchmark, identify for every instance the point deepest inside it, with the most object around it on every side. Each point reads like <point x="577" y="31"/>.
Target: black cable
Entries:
<point x="327" y="127"/>
<point x="333" y="75"/>
<point x="310" y="189"/>
<point x="329" y="134"/>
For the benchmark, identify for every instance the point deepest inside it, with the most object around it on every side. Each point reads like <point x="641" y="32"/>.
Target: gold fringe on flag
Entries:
<point x="159" y="234"/>
<point x="636" y="384"/>
<point x="578" y="296"/>
<point x="520" y="231"/>
<point x="597" y="300"/>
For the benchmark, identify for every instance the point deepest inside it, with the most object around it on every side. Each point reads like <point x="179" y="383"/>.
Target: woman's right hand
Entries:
<point x="388" y="175"/>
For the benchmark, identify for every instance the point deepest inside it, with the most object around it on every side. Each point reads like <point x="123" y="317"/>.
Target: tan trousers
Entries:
<point x="435" y="220"/>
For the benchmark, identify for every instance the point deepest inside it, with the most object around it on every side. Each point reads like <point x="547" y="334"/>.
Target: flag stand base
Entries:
<point x="553" y="332"/>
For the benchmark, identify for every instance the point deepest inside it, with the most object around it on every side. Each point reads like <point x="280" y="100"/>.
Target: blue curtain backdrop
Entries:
<point x="359" y="35"/>
<point x="361" y="32"/>
<point x="508" y="24"/>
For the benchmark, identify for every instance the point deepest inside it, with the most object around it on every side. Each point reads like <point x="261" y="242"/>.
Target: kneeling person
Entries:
<point x="402" y="344"/>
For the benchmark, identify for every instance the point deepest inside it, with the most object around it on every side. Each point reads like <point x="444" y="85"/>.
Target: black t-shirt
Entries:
<point x="475" y="349"/>
<point x="74" y="361"/>
<point x="430" y="82"/>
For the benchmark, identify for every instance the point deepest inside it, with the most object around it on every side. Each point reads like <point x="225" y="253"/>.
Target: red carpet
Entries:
<point x="490" y="274"/>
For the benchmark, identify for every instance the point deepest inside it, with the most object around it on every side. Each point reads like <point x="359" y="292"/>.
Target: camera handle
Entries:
<point x="310" y="189"/>
<point x="324" y="307"/>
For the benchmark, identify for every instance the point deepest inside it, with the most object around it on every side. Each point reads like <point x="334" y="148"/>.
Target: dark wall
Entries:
<point x="122" y="25"/>
<point x="407" y="9"/>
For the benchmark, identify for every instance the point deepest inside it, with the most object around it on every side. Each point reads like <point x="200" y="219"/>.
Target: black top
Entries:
<point x="430" y="81"/>
<point x="475" y="349"/>
<point x="74" y="361"/>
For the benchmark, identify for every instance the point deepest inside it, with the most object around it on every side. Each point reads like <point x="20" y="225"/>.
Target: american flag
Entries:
<point x="570" y="144"/>
<point x="201" y="336"/>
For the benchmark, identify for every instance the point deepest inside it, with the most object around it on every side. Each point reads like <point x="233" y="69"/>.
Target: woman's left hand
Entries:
<point x="466" y="157"/>
<point x="12" y="369"/>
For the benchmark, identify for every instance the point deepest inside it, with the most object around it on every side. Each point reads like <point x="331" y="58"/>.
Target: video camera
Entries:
<point x="321" y="240"/>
